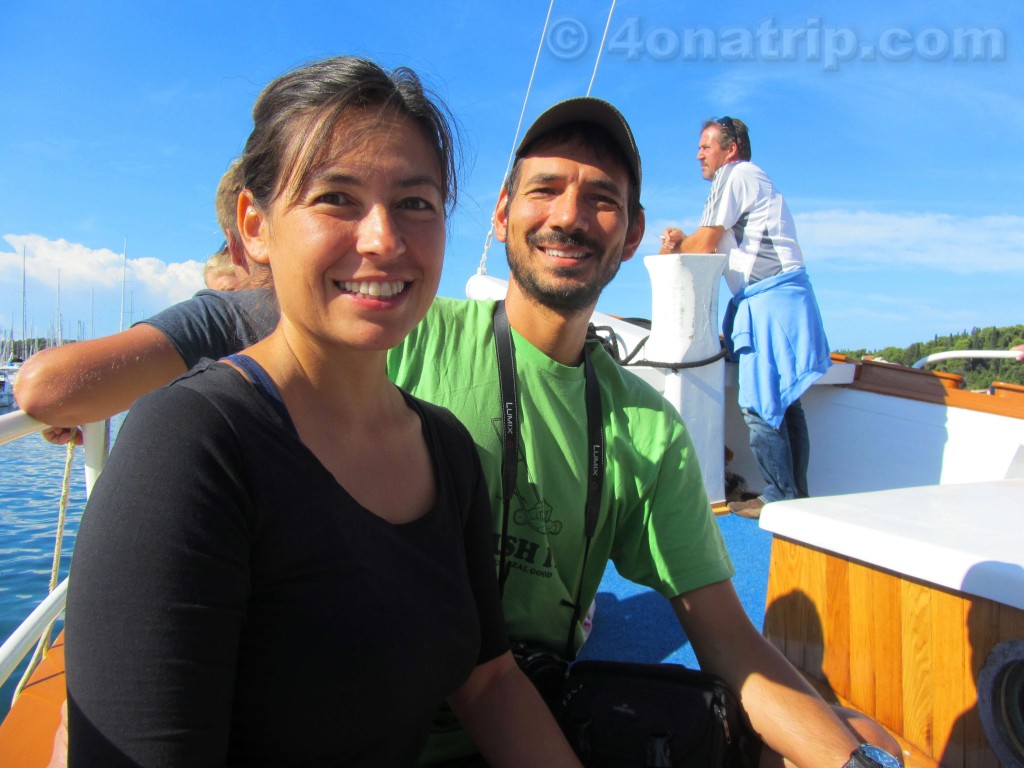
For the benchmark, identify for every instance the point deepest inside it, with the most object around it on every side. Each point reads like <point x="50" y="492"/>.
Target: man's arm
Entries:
<point x="781" y="706"/>
<point x="703" y="240"/>
<point x="93" y="380"/>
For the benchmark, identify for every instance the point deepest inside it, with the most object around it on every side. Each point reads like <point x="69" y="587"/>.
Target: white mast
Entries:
<point x="24" y="313"/>
<point x="124" y="278"/>
<point x="60" y="320"/>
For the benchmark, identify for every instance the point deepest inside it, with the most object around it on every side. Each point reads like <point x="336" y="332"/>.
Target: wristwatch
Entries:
<point x="870" y="756"/>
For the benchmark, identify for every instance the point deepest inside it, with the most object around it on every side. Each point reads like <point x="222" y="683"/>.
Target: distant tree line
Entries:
<point x="978" y="374"/>
<point x="12" y="349"/>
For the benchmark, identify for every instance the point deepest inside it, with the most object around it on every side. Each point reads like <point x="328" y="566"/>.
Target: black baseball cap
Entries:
<point x="587" y="109"/>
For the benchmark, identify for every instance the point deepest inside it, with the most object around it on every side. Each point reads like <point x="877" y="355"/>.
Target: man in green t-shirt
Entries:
<point x="569" y="215"/>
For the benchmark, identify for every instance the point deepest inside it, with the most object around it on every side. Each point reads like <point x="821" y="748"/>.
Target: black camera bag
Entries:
<point x="620" y="715"/>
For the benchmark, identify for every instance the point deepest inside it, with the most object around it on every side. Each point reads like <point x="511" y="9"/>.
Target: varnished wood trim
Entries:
<point x="932" y="387"/>
<point x="1005" y="389"/>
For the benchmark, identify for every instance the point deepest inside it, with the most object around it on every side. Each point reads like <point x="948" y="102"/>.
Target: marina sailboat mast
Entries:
<point x="124" y="277"/>
<point x="24" y="311"/>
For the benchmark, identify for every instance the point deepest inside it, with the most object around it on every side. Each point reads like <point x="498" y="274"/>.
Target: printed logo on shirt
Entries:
<point x="525" y="555"/>
<point x="538" y="518"/>
<point x="530" y="510"/>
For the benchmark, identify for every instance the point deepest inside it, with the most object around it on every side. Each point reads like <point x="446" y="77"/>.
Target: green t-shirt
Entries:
<point x="655" y="524"/>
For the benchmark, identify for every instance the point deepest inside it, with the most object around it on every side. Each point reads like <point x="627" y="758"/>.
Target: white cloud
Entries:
<point x="177" y="280"/>
<point x="933" y="241"/>
<point x="847" y="238"/>
<point x="86" y="267"/>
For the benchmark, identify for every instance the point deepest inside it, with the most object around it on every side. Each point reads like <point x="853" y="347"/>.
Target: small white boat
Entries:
<point x="8" y="373"/>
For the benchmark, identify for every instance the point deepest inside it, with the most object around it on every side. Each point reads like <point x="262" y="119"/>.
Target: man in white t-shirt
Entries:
<point x="773" y="325"/>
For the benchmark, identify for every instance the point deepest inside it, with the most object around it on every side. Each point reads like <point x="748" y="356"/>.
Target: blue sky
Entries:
<point x="893" y="130"/>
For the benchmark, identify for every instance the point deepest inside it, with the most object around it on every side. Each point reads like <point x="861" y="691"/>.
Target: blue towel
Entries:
<point x="773" y="328"/>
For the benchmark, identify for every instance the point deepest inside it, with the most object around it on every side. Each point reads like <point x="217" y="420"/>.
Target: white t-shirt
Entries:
<point x="760" y="236"/>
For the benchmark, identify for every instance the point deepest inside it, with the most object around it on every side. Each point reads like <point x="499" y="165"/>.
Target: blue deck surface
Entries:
<point x="633" y="623"/>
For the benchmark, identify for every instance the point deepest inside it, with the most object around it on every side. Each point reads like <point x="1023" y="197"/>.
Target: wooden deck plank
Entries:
<point x="26" y="734"/>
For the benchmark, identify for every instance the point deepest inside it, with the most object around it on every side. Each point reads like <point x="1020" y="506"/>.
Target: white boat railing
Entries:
<point x="17" y="424"/>
<point x="26" y="636"/>
<point x="966" y="354"/>
<point x="14" y="426"/>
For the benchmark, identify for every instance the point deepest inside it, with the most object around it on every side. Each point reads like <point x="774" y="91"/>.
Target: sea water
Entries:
<point x="31" y="482"/>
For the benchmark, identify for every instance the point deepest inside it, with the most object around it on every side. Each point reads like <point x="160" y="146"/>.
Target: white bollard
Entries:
<point x="684" y="329"/>
<point x="482" y="286"/>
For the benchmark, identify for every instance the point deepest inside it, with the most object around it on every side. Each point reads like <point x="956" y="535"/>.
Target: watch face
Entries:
<point x="878" y="756"/>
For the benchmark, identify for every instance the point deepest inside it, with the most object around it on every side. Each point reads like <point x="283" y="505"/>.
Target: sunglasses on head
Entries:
<point x="730" y="126"/>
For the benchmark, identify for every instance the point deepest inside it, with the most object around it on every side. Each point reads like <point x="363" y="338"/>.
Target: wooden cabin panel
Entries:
<point x="814" y="597"/>
<point x="887" y="648"/>
<point x="948" y="672"/>
<point x="918" y="692"/>
<point x="781" y="621"/>
<point x="1011" y="625"/>
<point x="792" y="622"/>
<point x="835" y="665"/>
<point x="863" y="618"/>
<point x="939" y="640"/>
<point x="797" y="609"/>
<point x="984" y="630"/>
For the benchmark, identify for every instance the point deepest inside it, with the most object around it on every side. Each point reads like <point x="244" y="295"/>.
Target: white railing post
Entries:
<point x="684" y="329"/>
<point x="96" y="445"/>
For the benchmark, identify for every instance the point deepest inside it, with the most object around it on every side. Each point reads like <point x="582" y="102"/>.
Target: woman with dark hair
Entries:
<point x="288" y="559"/>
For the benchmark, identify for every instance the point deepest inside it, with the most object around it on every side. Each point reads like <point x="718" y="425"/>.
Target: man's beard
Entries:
<point x="566" y="297"/>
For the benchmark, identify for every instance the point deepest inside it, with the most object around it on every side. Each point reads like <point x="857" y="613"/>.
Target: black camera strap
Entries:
<point x="510" y="456"/>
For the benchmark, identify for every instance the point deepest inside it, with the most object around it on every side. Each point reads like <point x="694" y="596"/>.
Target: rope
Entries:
<point x="43" y="646"/>
<point x="595" y="333"/>
<point x="482" y="269"/>
<point x="683" y="366"/>
<point x="600" y="48"/>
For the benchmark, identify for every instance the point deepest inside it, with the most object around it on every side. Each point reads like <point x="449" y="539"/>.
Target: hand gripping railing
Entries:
<point x="13" y="426"/>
